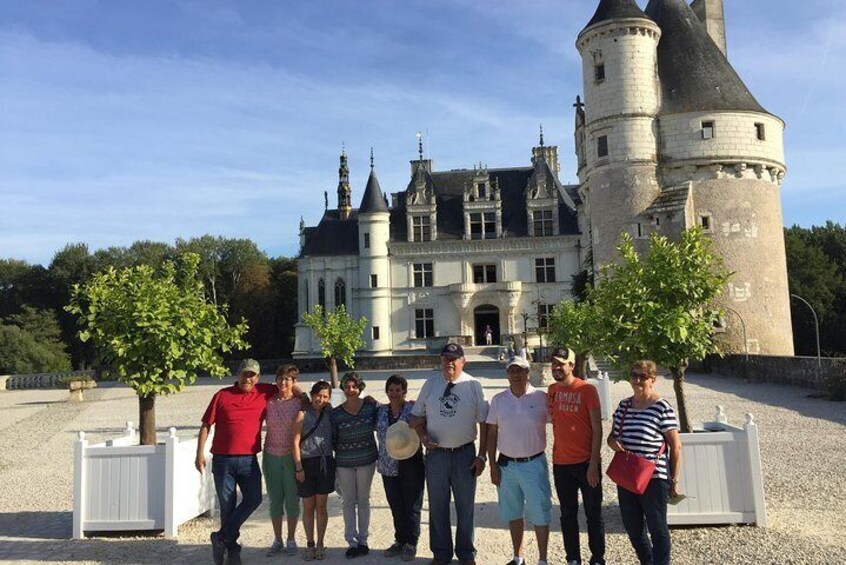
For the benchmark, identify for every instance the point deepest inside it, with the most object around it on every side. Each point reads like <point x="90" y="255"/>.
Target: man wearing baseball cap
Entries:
<point x="577" y="431"/>
<point x="237" y="413"/>
<point x="517" y="428"/>
<point x="448" y="411"/>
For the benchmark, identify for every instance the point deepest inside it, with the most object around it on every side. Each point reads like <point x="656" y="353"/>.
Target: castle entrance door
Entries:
<point x="486" y="321"/>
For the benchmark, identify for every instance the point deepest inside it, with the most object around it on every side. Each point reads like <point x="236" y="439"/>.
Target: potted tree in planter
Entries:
<point x="660" y="307"/>
<point x="340" y="336"/>
<point x="158" y="331"/>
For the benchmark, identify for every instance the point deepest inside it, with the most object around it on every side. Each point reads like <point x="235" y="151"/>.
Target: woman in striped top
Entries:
<point x="355" y="453"/>
<point x="642" y="425"/>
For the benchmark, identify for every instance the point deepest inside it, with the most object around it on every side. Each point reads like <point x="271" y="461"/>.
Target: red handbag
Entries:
<point x="631" y="471"/>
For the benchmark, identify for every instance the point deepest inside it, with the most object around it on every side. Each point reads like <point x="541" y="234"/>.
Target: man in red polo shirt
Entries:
<point x="237" y="413"/>
<point x="577" y="429"/>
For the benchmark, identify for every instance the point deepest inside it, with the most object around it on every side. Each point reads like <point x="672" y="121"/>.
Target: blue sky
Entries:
<point x="161" y="119"/>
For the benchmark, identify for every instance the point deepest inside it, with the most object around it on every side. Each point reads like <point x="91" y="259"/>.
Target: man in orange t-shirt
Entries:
<point x="577" y="429"/>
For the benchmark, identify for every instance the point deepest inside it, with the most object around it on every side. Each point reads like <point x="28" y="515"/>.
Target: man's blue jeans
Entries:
<point x="450" y="472"/>
<point x="243" y="472"/>
<point x="648" y="510"/>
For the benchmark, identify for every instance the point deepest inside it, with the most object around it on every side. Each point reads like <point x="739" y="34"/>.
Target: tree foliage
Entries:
<point x="655" y="307"/>
<point x="155" y="327"/>
<point x="816" y="271"/>
<point x="340" y="336"/>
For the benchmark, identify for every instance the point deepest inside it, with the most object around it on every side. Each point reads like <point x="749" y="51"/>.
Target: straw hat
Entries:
<point x="401" y="441"/>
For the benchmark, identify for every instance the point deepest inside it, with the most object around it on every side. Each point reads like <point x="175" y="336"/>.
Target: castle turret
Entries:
<point x="720" y="143"/>
<point x="619" y="176"/>
<point x="711" y="14"/>
<point x="374" y="282"/>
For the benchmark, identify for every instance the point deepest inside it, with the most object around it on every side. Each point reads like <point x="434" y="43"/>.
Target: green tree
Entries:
<point x="570" y="325"/>
<point x="156" y="328"/>
<point x="283" y="280"/>
<point x="340" y="336"/>
<point x="660" y="306"/>
<point x="22" y="352"/>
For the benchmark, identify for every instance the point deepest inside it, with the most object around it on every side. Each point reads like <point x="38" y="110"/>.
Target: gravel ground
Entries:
<point x="802" y="454"/>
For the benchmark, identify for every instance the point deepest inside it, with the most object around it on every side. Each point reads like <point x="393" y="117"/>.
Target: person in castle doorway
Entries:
<point x="315" y="466"/>
<point x="517" y="428"/>
<point x="278" y="460"/>
<point x="237" y="413"/>
<point x="645" y="424"/>
<point x="354" y="422"/>
<point x="576" y="465"/>
<point x="446" y="415"/>
<point x="401" y="465"/>
<point x="488" y="335"/>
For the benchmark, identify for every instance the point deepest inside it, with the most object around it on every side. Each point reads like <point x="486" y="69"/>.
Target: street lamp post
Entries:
<point x="817" y="330"/>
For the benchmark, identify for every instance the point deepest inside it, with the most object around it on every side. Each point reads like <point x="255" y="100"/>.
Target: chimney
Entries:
<point x="710" y="13"/>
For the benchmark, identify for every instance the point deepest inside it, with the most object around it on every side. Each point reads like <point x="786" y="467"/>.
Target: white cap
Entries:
<point x="517" y="361"/>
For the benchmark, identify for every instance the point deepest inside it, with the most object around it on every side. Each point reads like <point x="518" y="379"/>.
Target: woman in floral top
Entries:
<point x="403" y="480"/>
<point x="278" y="460"/>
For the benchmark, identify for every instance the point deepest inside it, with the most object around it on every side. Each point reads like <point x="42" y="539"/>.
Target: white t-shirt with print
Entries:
<point x="452" y="420"/>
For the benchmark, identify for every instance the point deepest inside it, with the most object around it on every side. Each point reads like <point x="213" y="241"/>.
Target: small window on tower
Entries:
<point x="374" y="281"/>
<point x="707" y="130"/>
<point x="705" y="222"/>
<point x="638" y="232"/>
<point x="602" y="146"/>
<point x="375" y="333"/>
<point x="599" y="72"/>
<point x="367" y="241"/>
<point x="760" y="132"/>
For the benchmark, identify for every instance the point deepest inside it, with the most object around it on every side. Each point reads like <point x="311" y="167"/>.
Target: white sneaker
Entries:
<point x="275" y="548"/>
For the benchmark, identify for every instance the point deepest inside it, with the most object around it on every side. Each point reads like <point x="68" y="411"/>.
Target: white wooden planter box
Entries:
<point x="721" y="476"/>
<point x="122" y="486"/>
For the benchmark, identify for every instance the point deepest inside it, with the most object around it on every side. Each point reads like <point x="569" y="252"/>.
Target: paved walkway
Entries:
<point x="802" y="453"/>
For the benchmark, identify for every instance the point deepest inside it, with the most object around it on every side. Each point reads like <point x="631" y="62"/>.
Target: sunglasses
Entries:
<point x="640" y="376"/>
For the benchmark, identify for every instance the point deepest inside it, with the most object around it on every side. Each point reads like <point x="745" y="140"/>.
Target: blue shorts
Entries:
<point x="525" y="485"/>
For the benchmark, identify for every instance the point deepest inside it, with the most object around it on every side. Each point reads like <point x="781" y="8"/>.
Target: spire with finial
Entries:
<point x="420" y="145"/>
<point x="344" y="189"/>
<point x="371" y="158"/>
<point x="541" y="135"/>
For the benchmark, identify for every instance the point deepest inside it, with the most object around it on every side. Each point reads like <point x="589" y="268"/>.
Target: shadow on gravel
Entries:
<point x="789" y="397"/>
<point x="118" y="552"/>
<point x="38" y="525"/>
<point x="41" y="402"/>
<point x="487" y="516"/>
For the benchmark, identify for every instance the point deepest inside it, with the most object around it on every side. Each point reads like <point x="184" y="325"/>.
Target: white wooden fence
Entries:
<point x="721" y="476"/>
<point x="122" y="486"/>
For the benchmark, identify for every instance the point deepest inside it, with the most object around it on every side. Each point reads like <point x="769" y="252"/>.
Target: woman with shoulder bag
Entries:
<point x="314" y="465"/>
<point x="645" y="426"/>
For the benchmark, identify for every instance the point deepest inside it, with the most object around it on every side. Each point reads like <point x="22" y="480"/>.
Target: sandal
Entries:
<point x="320" y="553"/>
<point x="310" y="553"/>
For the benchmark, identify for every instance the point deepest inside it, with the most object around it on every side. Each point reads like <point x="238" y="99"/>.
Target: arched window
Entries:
<point x="340" y="293"/>
<point x="321" y="294"/>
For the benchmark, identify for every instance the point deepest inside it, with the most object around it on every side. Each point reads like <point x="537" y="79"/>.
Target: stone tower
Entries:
<point x="671" y="138"/>
<point x="618" y="173"/>
<point x="374" y="284"/>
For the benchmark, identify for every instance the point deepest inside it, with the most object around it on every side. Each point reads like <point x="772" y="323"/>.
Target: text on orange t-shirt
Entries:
<point x="570" y="408"/>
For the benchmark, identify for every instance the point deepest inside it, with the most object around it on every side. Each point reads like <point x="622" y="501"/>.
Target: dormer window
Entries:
<point x="422" y="228"/>
<point x="482" y="189"/>
<point x="483" y="225"/>
<point x="542" y="223"/>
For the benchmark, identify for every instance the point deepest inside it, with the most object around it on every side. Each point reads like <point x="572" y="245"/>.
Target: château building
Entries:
<point x="667" y="137"/>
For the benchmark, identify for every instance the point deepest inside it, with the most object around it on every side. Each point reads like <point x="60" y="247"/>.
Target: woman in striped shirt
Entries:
<point x="642" y="425"/>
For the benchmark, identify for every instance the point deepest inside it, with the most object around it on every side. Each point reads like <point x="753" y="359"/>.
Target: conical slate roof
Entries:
<point x="615" y="9"/>
<point x="694" y="73"/>
<point x="373" y="200"/>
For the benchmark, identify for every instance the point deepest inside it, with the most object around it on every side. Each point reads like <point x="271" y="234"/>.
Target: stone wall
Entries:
<point x="800" y="371"/>
<point x="40" y="380"/>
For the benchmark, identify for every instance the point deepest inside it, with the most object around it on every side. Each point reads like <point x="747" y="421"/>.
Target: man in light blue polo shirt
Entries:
<point x="517" y="428"/>
<point x="446" y="415"/>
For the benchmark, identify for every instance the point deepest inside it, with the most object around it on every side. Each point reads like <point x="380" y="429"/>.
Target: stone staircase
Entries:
<point x="481" y="358"/>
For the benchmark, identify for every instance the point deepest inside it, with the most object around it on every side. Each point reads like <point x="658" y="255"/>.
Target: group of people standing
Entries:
<point x="312" y="449"/>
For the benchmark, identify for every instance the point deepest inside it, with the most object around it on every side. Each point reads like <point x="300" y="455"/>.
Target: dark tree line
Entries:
<point x="816" y="270"/>
<point x="36" y="334"/>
